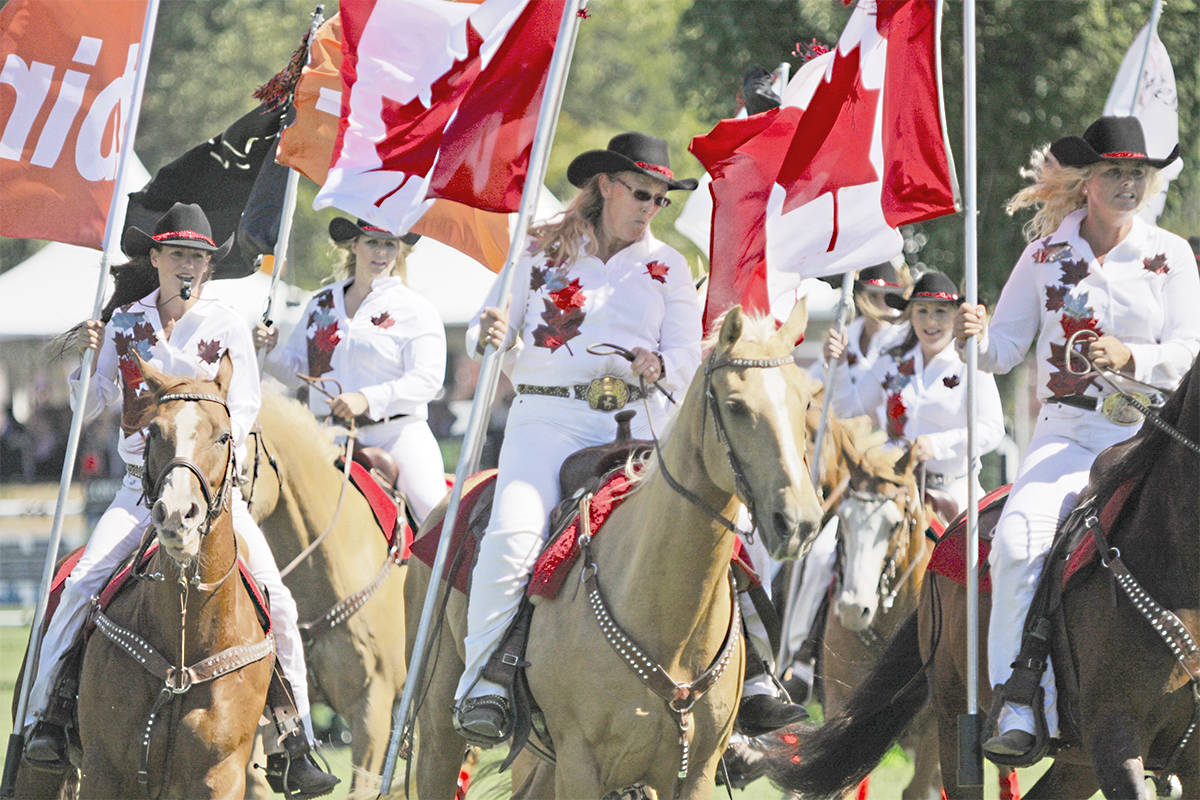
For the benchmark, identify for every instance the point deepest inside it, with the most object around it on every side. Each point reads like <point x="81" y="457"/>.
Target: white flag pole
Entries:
<point x="489" y="375"/>
<point x="289" y="205"/>
<point x="16" y="740"/>
<point x="970" y="753"/>
<point x="1151" y="28"/>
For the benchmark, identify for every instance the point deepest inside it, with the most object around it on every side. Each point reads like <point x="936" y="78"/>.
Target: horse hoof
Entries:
<point x="638" y="791"/>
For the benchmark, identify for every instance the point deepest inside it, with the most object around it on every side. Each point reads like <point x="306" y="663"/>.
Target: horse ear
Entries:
<point x="792" y="331"/>
<point x="224" y="374"/>
<point x="155" y="379"/>
<point x="731" y="328"/>
<point x="907" y="461"/>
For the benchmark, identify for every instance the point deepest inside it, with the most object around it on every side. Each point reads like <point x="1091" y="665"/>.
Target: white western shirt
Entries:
<point x="855" y="367"/>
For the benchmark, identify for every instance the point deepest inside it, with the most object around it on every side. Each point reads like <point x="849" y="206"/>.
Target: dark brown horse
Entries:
<point x="1136" y="699"/>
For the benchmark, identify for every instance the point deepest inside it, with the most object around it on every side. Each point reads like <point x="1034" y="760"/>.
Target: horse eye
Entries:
<point x="737" y="406"/>
<point x="224" y="438"/>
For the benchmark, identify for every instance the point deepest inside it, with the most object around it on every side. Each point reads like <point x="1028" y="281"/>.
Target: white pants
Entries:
<point x="1055" y="470"/>
<point x="540" y="434"/>
<point x="422" y="474"/>
<point x="114" y="540"/>
<point x="817" y="573"/>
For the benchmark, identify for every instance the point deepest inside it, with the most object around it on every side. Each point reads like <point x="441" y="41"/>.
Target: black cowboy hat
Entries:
<point x="184" y="225"/>
<point x="628" y="152"/>
<point x="1109" y="139"/>
<point x="341" y="229"/>
<point x="932" y="287"/>
<point x="881" y="277"/>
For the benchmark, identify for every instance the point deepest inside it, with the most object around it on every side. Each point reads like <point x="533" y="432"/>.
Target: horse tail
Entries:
<point x="832" y="758"/>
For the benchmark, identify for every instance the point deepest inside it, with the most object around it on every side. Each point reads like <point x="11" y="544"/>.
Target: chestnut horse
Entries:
<point x="349" y="590"/>
<point x="882" y="552"/>
<point x="659" y="578"/>
<point x="174" y="678"/>
<point x="1136" y="698"/>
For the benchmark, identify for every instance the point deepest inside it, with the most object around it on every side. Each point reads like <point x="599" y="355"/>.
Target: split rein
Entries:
<point x="178" y="680"/>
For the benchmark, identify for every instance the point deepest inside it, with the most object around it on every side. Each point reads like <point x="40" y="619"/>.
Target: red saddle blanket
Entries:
<point x="118" y="581"/>
<point x="382" y="506"/>
<point x="949" y="559"/>
<point x="552" y="567"/>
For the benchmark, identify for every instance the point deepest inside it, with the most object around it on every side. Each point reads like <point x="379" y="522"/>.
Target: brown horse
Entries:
<point x="189" y="710"/>
<point x="357" y="663"/>
<point x="882" y="552"/>
<point x="661" y="567"/>
<point x="1135" y="697"/>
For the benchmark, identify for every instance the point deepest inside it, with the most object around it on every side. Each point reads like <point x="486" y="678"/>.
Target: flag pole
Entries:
<point x="1151" y="27"/>
<point x="970" y="753"/>
<point x="842" y="312"/>
<point x="489" y="375"/>
<point x="289" y="204"/>
<point x="15" y="739"/>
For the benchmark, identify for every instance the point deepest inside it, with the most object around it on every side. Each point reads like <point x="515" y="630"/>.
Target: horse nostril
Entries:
<point x="783" y="524"/>
<point x="192" y="513"/>
<point x="158" y="514"/>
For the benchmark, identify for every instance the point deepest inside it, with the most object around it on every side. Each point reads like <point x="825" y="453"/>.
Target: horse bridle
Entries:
<point x="214" y="501"/>
<point x="742" y="486"/>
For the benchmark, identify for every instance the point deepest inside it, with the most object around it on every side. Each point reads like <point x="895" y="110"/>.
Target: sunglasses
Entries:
<point x="642" y="196"/>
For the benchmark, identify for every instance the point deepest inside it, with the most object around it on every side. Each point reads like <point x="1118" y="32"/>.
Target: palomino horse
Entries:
<point x="657" y="599"/>
<point x="349" y="590"/>
<point x="186" y="716"/>
<point x="1135" y="660"/>
<point x="882" y="552"/>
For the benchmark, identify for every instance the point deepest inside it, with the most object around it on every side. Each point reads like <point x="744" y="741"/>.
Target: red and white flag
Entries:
<point x="820" y="185"/>
<point x="439" y="100"/>
<point x="66" y="84"/>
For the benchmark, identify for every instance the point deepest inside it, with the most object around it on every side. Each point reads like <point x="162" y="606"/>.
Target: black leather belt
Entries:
<point x="1076" y="400"/>
<point x="607" y="393"/>
<point x="362" y="420"/>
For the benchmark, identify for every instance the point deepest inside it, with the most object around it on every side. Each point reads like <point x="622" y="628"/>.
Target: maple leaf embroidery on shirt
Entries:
<point x="569" y="297"/>
<point x="1156" y="264"/>
<point x="851" y="359"/>
<point x="209" y="350"/>
<point x="1054" y="296"/>
<point x="560" y="327"/>
<point x="321" y="343"/>
<point x="907" y="367"/>
<point x="1074" y="271"/>
<point x="950" y="381"/>
<point x="383" y="320"/>
<point x="658" y="271"/>
<point x="897" y="416"/>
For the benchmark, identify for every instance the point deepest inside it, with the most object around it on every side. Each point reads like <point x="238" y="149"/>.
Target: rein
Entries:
<point x="739" y="477"/>
<point x="1129" y="397"/>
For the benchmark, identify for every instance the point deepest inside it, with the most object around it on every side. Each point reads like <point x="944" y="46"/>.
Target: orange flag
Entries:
<point x="307" y="146"/>
<point x="68" y="70"/>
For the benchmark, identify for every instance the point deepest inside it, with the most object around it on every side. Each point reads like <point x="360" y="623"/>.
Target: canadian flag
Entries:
<point x="821" y="184"/>
<point x="66" y="85"/>
<point x="439" y="99"/>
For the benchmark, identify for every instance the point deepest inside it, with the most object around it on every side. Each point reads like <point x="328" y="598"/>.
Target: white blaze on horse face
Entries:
<point x="180" y="509"/>
<point x="803" y="512"/>
<point x="866" y="530"/>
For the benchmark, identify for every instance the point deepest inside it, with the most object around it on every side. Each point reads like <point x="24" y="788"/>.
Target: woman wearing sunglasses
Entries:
<point x="594" y="275"/>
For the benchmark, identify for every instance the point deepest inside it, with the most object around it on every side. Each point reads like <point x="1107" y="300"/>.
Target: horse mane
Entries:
<point x="862" y="443"/>
<point x="1147" y="446"/>
<point x="300" y="423"/>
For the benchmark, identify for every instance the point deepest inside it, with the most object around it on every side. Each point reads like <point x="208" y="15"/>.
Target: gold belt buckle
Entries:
<point x="1119" y="411"/>
<point x="608" y="393"/>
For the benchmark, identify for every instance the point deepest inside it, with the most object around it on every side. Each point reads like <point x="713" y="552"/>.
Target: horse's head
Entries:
<point x="759" y="399"/>
<point x="876" y="520"/>
<point x="189" y="457"/>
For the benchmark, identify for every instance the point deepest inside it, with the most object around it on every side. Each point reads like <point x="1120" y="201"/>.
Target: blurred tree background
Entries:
<point x="674" y="68"/>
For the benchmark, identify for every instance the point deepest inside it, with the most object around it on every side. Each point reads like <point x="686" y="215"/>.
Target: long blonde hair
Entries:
<point x="1057" y="190"/>
<point x="563" y="239"/>
<point x="344" y="268"/>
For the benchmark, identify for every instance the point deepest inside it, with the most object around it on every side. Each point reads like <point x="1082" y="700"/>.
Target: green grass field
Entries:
<point x="887" y="781"/>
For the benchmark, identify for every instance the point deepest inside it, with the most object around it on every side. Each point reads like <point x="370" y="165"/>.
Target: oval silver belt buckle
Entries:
<point x="1119" y="411"/>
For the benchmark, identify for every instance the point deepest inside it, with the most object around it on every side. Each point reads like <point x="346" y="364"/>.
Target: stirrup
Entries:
<point x="1041" y="734"/>
<point x="485" y="721"/>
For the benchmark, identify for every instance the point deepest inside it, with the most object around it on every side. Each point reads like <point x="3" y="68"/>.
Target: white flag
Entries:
<point x="1153" y="101"/>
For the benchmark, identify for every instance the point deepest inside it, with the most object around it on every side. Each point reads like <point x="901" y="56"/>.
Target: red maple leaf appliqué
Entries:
<point x="907" y="367"/>
<point x="383" y="320"/>
<point x="658" y="271"/>
<point x="950" y="381"/>
<point x="209" y="350"/>
<point x="131" y="376"/>
<point x="569" y="297"/>
<point x="320" y="349"/>
<point x="1074" y="271"/>
<point x="326" y="338"/>
<point x="1054" y="297"/>
<point x="841" y="110"/>
<point x="1156" y="264"/>
<point x="1072" y="325"/>
<point x="560" y="327"/>
<point x="897" y="415"/>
